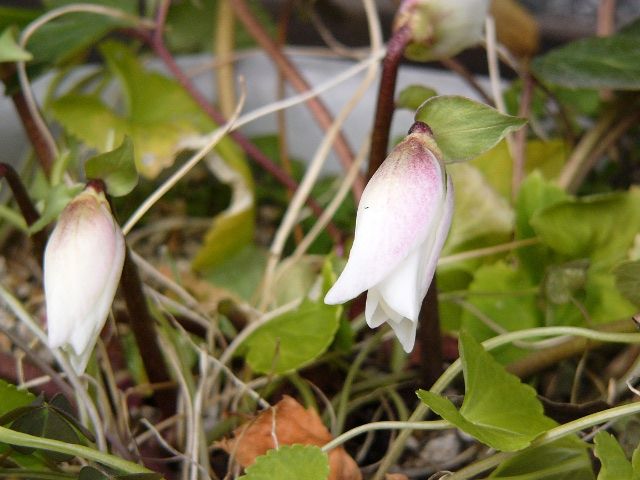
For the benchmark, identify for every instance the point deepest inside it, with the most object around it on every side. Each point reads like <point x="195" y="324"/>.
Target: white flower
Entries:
<point x="82" y="267"/>
<point x="402" y="222"/>
<point x="442" y="28"/>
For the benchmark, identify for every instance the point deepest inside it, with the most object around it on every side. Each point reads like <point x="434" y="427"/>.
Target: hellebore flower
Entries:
<point x="441" y="28"/>
<point x="402" y="222"/>
<point x="82" y="267"/>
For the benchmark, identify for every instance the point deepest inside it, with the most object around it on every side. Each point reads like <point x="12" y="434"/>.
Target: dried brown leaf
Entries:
<point x="290" y="423"/>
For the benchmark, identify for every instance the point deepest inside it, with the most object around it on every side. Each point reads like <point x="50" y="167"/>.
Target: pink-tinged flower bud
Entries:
<point x="441" y="28"/>
<point x="402" y="222"/>
<point x="82" y="267"/>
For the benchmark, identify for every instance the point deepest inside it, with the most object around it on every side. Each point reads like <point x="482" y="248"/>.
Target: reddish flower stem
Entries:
<point x="297" y="81"/>
<point x="429" y="338"/>
<point x="144" y="331"/>
<point x="386" y="94"/>
<point x="28" y="210"/>
<point x="44" y="154"/>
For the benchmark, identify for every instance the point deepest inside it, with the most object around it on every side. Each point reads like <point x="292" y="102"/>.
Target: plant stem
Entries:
<point x="28" y="210"/>
<point x="144" y="331"/>
<point x="455" y="369"/>
<point x="430" y="338"/>
<point x="457" y="67"/>
<point x="318" y="109"/>
<point x="13" y="437"/>
<point x="542" y="359"/>
<point x="156" y="42"/>
<point x="520" y="137"/>
<point x="386" y="95"/>
<point x="575" y="169"/>
<point x="44" y="153"/>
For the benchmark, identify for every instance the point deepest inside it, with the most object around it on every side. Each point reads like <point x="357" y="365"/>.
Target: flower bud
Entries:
<point x="441" y="28"/>
<point x="82" y="267"/>
<point x="402" y="222"/>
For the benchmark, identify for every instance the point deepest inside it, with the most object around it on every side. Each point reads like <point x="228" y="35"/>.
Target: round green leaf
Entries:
<point x="293" y="339"/>
<point x="290" y="462"/>
<point x="463" y="128"/>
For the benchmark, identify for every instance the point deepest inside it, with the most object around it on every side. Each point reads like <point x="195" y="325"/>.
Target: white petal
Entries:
<point x="82" y="267"/>
<point x="396" y="213"/>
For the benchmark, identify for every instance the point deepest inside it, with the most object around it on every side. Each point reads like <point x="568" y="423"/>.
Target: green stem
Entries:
<point x="549" y="437"/>
<point x="12" y="437"/>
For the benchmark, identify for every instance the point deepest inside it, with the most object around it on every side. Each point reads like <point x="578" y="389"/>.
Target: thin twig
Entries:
<point x="315" y="167"/>
<point x="318" y="109"/>
<point x="247" y="146"/>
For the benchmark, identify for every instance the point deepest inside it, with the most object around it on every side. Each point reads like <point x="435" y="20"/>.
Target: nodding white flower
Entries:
<point x="402" y="222"/>
<point x="441" y="28"/>
<point x="82" y="267"/>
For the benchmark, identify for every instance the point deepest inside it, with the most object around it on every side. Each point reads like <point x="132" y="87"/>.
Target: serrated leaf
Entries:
<point x="628" y="280"/>
<point x="10" y="51"/>
<point x="464" y="128"/>
<point x="614" y="463"/>
<point x="293" y="339"/>
<point x="290" y="462"/>
<point x="564" y="459"/>
<point x="498" y="409"/>
<point x="600" y="227"/>
<point x="117" y="169"/>
<point x="412" y="96"/>
<point x="599" y="62"/>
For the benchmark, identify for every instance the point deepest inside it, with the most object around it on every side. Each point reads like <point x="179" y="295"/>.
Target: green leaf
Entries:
<point x="535" y="194"/>
<point x="17" y="16"/>
<point x="497" y="165"/>
<point x="290" y="462"/>
<point x="75" y="33"/>
<point x="45" y="422"/>
<point x="293" y="339"/>
<point x="116" y="168"/>
<point x="159" y="115"/>
<point x="463" y="128"/>
<point x="614" y="463"/>
<point x="10" y="51"/>
<point x="412" y="96"/>
<point x="599" y="227"/>
<point x="56" y="199"/>
<point x="564" y="459"/>
<point x="241" y="273"/>
<point x="599" y="62"/>
<point x="13" y="398"/>
<point x="505" y="296"/>
<point x="627" y="276"/>
<point x="498" y="409"/>
<point x="480" y="210"/>
<point x="232" y="229"/>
